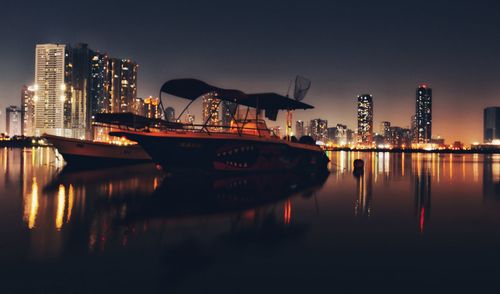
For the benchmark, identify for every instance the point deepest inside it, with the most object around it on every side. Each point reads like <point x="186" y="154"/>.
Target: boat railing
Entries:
<point x="240" y="128"/>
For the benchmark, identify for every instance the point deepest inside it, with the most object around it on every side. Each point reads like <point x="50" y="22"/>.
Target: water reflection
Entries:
<point x="491" y="178"/>
<point x="422" y="189"/>
<point x="131" y="218"/>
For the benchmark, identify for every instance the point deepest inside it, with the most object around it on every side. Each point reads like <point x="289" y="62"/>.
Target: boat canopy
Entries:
<point x="271" y="102"/>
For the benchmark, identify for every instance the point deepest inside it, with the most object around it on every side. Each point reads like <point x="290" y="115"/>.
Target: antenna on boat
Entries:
<point x="302" y="86"/>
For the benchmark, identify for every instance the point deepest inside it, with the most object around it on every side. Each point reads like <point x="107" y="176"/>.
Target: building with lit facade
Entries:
<point x="423" y="115"/>
<point x="138" y="107"/>
<point x="365" y="119"/>
<point x="228" y="110"/>
<point x="210" y="109"/>
<point x="341" y="136"/>
<point x="385" y="130"/>
<point x="122" y="84"/>
<point x="319" y="129"/>
<point x="99" y="90"/>
<point x="13" y="121"/>
<point x="299" y="129"/>
<point x="152" y="107"/>
<point x="170" y="114"/>
<point x="51" y="96"/>
<point x="491" y="124"/>
<point x="73" y="83"/>
<point x="27" y="110"/>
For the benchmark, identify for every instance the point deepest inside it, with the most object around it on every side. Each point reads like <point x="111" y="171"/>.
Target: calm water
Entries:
<point x="411" y="223"/>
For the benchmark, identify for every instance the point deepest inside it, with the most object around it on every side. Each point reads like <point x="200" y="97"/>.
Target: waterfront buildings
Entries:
<point x="319" y="129"/>
<point x="99" y="76"/>
<point x="72" y="84"/>
<point x="27" y="110"/>
<point x="13" y="121"/>
<point x="365" y="119"/>
<point x="491" y="124"/>
<point x="385" y="130"/>
<point x="52" y="105"/>
<point x="423" y="115"/>
<point x="123" y="84"/>
<point x="210" y="109"/>
<point x="341" y="135"/>
<point x="152" y="107"/>
<point x="299" y="129"/>
<point x="228" y="110"/>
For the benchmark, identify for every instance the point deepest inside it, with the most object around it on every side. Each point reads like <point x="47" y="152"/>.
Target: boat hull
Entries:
<point x="228" y="153"/>
<point x="89" y="153"/>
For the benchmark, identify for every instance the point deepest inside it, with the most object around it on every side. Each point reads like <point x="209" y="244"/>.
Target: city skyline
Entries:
<point x="459" y="62"/>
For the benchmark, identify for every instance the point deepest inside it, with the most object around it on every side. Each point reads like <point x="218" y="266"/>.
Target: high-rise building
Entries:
<point x="81" y="84"/>
<point x="152" y="107"/>
<point x="210" y="109"/>
<point x="13" y="121"/>
<point x="123" y="84"/>
<point x="139" y="107"/>
<point x="170" y="114"/>
<point x="228" y="110"/>
<point x="27" y="110"/>
<point x="491" y="124"/>
<point x="385" y="130"/>
<point x="341" y="137"/>
<point x="332" y="134"/>
<point x="99" y="77"/>
<point x="319" y="129"/>
<point x="51" y="91"/>
<point x="365" y="119"/>
<point x="299" y="129"/>
<point x="423" y="114"/>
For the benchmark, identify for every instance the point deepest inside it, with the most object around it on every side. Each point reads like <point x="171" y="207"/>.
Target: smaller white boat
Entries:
<point x="92" y="153"/>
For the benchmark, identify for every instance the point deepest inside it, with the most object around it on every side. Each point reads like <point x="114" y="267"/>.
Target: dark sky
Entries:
<point x="386" y="48"/>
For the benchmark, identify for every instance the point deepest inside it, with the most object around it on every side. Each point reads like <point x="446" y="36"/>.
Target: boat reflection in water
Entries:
<point x="188" y="196"/>
<point x="96" y="210"/>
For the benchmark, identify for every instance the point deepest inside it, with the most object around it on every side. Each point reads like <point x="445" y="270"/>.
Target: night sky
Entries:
<point x="385" y="48"/>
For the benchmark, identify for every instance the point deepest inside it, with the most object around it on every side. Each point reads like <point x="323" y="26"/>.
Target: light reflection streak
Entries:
<point x="70" y="202"/>
<point x="33" y="211"/>
<point x="287" y="212"/>
<point x="451" y="167"/>
<point x="60" y="207"/>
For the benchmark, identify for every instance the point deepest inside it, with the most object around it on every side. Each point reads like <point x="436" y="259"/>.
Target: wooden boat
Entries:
<point x="91" y="153"/>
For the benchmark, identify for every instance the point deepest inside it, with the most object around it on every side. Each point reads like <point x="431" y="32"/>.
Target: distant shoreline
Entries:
<point x="30" y="142"/>
<point x="446" y="151"/>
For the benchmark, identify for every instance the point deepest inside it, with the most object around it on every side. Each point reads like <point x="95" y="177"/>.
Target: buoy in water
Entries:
<point x="358" y="168"/>
<point x="359" y="164"/>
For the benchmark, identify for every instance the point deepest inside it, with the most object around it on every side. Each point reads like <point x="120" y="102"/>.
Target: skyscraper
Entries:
<point x="319" y="129"/>
<point x="491" y="124"/>
<point x="210" y="109"/>
<point x="27" y="110"/>
<point x="365" y="119"/>
<point x="50" y="89"/>
<point x="152" y="107"/>
<point x="228" y="111"/>
<point x="299" y="129"/>
<point x="123" y="84"/>
<point x="99" y="90"/>
<point x="139" y="107"/>
<point x="341" y="136"/>
<point x="385" y="130"/>
<point x="423" y="114"/>
<point x="81" y="83"/>
<point x="13" y="121"/>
